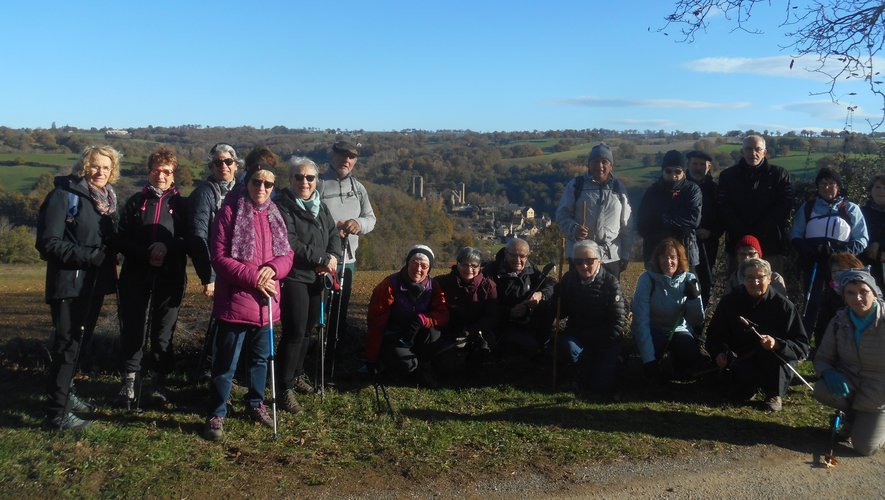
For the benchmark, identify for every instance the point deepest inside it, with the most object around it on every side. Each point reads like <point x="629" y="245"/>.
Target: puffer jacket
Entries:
<point x="827" y="226"/>
<point x="670" y="211"/>
<point x="660" y="303"/>
<point x="608" y="216"/>
<point x="863" y="365"/>
<point x="313" y="239"/>
<point x="595" y="310"/>
<point x="80" y="254"/>
<point x="236" y="299"/>
<point x="203" y="203"/>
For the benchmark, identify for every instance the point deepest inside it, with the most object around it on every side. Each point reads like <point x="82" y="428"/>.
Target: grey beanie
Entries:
<point x="859" y="276"/>
<point x="601" y="150"/>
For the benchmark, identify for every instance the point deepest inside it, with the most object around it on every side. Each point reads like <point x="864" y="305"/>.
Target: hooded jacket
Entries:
<point x="607" y="215"/>
<point x="147" y="219"/>
<point x="838" y="224"/>
<point x="670" y="210"/>
<point x="313" y="239"/>
<point x="659" y="303"/>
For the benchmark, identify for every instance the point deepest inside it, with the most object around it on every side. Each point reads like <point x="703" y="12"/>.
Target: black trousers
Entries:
<point x="338" y="315"/>
<point x="299" y="312"/>
<point x="760" y="371"/>
<point x="73" y="321"/>
<point x="165" y="304"/>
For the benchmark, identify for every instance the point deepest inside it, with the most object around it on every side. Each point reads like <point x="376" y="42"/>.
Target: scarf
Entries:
<point x="861" y="324"/>
<point x="469" y="287"/>
<point x="311" y="204"/>
<point x="105" y="199"/>
<point x="243" y="244"/>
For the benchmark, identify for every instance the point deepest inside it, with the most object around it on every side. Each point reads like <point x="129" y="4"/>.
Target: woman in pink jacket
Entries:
<point x="250" y="253"/>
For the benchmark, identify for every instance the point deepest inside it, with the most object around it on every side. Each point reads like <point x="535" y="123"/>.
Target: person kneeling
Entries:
<point x="590" y="347"/>
<point x="405" y="312"/>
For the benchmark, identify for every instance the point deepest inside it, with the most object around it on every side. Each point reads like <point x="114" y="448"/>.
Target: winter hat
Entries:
<point x="749" y="241"/>
<point x="859" y="276"/>
<point x="828" y="173"/>
<point x="601" y="150"/>
<point x="254" y="169"/>
<point x="673" y="158"/>
<point x="422" y="251"/>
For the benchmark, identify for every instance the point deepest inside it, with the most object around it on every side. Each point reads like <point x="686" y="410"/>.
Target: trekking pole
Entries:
<point x="808" y="293"/>
<point x="747" y="323"/>
<point x="341" y="283"/>
<point x="379" y="386"/>
<point x="273" y="377"/>
<point x="558" y="312"/>
<point x="835" y="425"/>
<point x="322" y="325"/>
<point x="146" y="335"/>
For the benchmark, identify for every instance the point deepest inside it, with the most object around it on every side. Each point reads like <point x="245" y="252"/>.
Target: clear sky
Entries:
<point x="391" y="65"/>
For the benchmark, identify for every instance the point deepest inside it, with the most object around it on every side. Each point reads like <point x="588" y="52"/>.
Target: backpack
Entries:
<point x="73" y="203"/>
<point x="617" y="187"/>
<point x="842" y="208"/>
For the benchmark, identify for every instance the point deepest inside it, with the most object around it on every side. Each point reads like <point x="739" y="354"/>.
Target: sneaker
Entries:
<point x="214" y="429"/>
<point x="303" y="385"/>
<point x="126" y="396"/>
<point x="773" y="403"/>
<point x="259" y="414"/>
<point x="78" y="405"/>
<point x="290" y="402"/>
<point x="66" y="422"/>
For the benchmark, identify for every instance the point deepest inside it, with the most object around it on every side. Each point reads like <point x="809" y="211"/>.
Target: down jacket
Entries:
<point x="313" y="239"/>
<point x="595" y="310"/>
<point x="236" y="299"/>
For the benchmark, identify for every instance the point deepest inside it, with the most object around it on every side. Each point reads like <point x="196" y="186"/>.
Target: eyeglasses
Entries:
<point x="268" y="185"/>
<point x="301" y="177"/>
<point x="673" y="171"/>
<point x="163" y="171"/>
<point x="585" y="262"/>
<point x="470" y="265"/>
<point x="104" y="170"/>
<point x="227" y="161"/>
<point x="755" y="279"/>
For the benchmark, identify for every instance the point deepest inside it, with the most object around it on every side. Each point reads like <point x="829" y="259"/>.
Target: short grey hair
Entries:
<point x="222" y="147"/>
<point x="468" y="254"/>
<point x="755" y="264"/>
<point x="588" y="244"/>
<point x="297" y="162"/>
<point x="754" y="138"/>
<point x="516" y="243"/>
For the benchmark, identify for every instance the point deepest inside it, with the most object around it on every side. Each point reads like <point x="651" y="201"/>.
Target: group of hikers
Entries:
<point x="266" y="255"/>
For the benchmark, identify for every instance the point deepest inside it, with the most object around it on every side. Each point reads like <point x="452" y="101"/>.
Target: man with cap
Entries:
<point x="746" y="248"/>
<point x="670" y="208"/>
<point x="594" y="207"/>
<point x="349" y="204"/>
<point x="756" y="197"/>
<point x="826" y="223"/>
<point x="406" y="311"/>
<point x="700" y="166"/>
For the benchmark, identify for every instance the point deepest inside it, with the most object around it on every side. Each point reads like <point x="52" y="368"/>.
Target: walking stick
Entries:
<point x="747" y="323"/>
<point x="558" y="310"/>
<point x="146" y="332"/>
<point x="808" y="293"/>
<point x="273" y="377"/>
<point x="341" y="283"/>
<point x="379" y="386"/>
<point x="322" y="325"/>
<point x="836" y="424"/>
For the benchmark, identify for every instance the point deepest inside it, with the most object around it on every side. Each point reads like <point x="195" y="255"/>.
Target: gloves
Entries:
<point x="836" y="383"/>
<point x="650" y="369"/>
<point x="692" y="289"/>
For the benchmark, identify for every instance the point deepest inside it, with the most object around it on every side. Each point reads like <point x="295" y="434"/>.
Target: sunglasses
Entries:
<point x="301" y="177"/>
<point x="268" y="185"/>
<point x="227" y="161"/>
<point x="585" y="262"/>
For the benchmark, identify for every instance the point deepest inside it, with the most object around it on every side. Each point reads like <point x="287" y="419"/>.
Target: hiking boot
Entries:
<point x="158" y="390"/>
<point x="259" y="414"/>
<point x="66" y="422"/>
<point x="303" y="385"/>
<point x="126" y="397"/>
<point x="78" y="405"/>
<point x="214" y="429"/>
<point x="773" y="403"/>
<point x="290" y="402"/>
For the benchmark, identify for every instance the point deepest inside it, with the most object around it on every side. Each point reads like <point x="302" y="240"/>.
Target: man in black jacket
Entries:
<point x="590" y="346"/>
<point x="756" y="197"/>
<point x="700" y="165"/>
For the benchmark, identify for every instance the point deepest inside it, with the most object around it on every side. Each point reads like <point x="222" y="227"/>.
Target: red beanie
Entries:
<point x="749" y="241"/>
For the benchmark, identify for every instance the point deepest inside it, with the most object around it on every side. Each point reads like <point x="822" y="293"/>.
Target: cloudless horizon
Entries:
<point x="393" y="65"/>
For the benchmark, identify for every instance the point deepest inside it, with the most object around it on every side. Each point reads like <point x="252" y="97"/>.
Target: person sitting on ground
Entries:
<point x="250" y="253"/>
<point x="405" y="314"/>
<point x="667" y="309"/>
<point x="746" y="248"/>
<point x="589" y="348"/>
<point x="472" y="299"/>
<point x="524" y="292"/>
<point x="832" y="299"/>
<point x="825" y="224"/>
<point x="748" y="357"/>
<point x="874" y="215"/>
<point x="851" y="362"/>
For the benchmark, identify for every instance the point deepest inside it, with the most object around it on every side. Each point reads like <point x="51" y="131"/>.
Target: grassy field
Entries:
<point x="508" y="423"/>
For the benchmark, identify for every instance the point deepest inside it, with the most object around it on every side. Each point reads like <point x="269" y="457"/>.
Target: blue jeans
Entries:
<point x="226" y="353"/>
<point x="594" y="366"/>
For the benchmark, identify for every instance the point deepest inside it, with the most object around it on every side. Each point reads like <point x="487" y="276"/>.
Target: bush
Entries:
<point x="17" y="244"/>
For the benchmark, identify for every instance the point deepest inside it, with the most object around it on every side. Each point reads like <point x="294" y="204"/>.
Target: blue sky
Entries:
<point x="391" y="65"/>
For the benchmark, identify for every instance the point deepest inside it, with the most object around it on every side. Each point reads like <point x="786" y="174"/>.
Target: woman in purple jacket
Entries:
<point x="250" y="253"/>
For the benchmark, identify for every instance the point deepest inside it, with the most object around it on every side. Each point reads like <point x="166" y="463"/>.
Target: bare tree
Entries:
<point x="844" y="36"/>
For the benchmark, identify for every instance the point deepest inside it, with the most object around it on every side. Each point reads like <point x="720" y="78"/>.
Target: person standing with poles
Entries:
<point x="250" y="253"/>
<point x="203" y="203"/>
<point x="152" y="279"/>
<point x="700" y="170"/>
<point x="76" y="235"/>
<point x="348" y="202"/>
<point x="313" y="236"/>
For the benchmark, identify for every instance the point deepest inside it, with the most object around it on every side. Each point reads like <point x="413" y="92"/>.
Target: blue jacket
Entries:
<point x="826" y="225"/>
<point x="659" y="303"/>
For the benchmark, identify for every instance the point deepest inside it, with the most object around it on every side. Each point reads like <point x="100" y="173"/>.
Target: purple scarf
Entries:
<point x="243" y="245"/>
